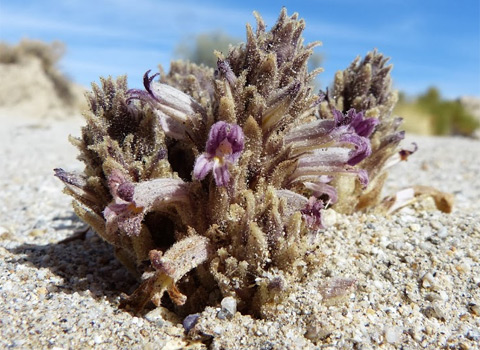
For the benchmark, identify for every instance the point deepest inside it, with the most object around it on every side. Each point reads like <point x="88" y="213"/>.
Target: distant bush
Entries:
<point x="200" y="49"/>
<point x="49" y="56"/>
<point x="446" y="117"/>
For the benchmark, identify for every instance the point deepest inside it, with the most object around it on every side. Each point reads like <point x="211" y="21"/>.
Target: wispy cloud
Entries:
<point x="109" y="36"/>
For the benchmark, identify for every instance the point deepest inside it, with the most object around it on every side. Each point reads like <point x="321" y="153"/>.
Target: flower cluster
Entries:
<point x="225" y="175"/>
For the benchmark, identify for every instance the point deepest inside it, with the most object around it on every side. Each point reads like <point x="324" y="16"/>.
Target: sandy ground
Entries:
<point x="417" y="272"/>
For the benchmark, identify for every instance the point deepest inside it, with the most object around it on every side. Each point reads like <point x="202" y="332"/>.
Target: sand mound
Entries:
<point x="33" y="86"/>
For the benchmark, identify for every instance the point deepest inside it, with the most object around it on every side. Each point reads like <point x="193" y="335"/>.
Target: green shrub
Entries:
<point x="447" y="117"/>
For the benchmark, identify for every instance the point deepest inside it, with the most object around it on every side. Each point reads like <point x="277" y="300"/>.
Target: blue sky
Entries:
<point x="429" y="42"/>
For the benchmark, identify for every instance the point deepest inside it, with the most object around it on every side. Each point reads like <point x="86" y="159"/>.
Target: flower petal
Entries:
<point x="320" y="188"/>
<point x="216" y="135"/>
<point x="164" y="190"/>
<point x="171" y="127"/>
<point x="362" y="147"/>
<point x="366" y="127"/>
<point x="127" y="215"/>
<point x="310" y="135"/>
<point x="173" y="107"/>
<point x="363" y="127"/>
<point x="221" y="174"/>
<point x="236" y="138"/>
<point x="312" y="166"/>
<point x="203" y="165"/>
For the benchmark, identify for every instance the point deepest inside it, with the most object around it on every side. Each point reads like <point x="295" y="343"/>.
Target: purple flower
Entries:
<point x="363" y="127"/>
<point x="310" y="208"/>
<point x="348" y="130"/>
<point x="173" y="108"/>
<point x="319" y="188"/>
<point x="312" y="213"/>
<point x="329" y="161"/>
<point x="362" y="147"/>
<point x="132" y="201"/>
<point x="224" y="146"/>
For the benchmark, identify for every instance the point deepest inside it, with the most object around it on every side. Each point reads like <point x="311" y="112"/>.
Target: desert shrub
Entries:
<point x="447" y="117"/>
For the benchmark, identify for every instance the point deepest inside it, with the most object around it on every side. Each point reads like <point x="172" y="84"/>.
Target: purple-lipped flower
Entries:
<point x="173" y="107"/>
<point x="224" y="146"/>
<point x="363" y="129"/>
<point x="132" y="201"/>
<point x="363" y="126"/>
<point x="331" y="147"/>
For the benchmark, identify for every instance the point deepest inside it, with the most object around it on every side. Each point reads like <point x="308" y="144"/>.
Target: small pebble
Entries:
<point x="474" y="309"/>
<point x="157" y="316"/>
<point x="393" y="335"/>
<point x="190" y="321"/>
<point x="229" y="308"/>
<point x="98" y="339"/>
<point x="415" y="227"/>
<point x="316" y="332"/>
<point x="329" y="217"/>
<point x="434" y="311"/>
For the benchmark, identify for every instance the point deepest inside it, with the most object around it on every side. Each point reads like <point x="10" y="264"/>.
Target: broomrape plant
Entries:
<point x="213" y="183"/>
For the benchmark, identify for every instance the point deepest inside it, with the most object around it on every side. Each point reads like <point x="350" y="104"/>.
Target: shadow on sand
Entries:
<point x="82" y="261"/>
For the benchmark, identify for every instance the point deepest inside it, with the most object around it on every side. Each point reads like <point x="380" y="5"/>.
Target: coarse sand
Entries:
<point x="416" y="272"/>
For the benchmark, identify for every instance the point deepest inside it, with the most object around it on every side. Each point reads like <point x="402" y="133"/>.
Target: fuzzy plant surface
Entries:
<point x="211" y="184"/>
